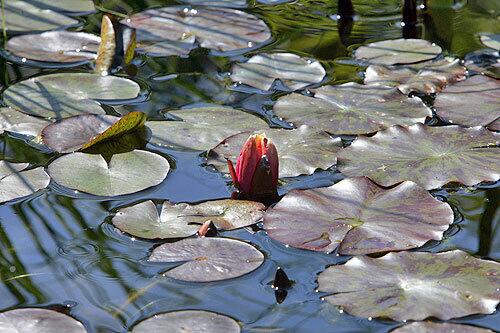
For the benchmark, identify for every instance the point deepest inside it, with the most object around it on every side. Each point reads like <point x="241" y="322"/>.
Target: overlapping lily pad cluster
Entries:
<point x="380" y="134"/>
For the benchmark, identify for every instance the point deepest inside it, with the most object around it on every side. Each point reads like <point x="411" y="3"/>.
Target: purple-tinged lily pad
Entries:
<point x="262" y="70"/>
<point x="35" y="320"/>
<point x="208" y="259"/>
<point x="473" y="102"/>
<point x="397" y="51"/>
<point x="491" y="40"/>
<point x="184" y="220"/>
<point x="430" y="327"/>
<point x="413" y="285"/>
<point x="16" y="183"/>
<point x="14" y="121"/>
<point x="352" y="108"/>
<point x="301" y="151"/>
<point x="196" y="321"/>
<point x="429" y="156"/>
<point x="359" y="217"/>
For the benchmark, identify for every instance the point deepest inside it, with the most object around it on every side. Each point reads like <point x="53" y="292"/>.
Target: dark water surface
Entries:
<point x="58" y="249"/>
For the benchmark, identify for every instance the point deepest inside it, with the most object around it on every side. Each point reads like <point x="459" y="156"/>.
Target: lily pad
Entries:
<point x="16" y="183"/>
<point x="397" y="51"/>
<point x="218" y="3"/>
<point x="294" y="72"/>
<point x="300" y="151"/>
<point x="359" y="217"/>
<point x="202" y="128"/>
<point x="429" y="156"/>
<point x="14" y="121"/>
<point x="219" y="29"/>
<point x="208" y="259"/>
<point x="491" y="40"/>
<point x="352" y="108"/>
<point x="188" y="321"/>
<point x="81" y="132"/>
<point x="63" y="95"/>
<point x="413" y="285"/>
<point x="30" y="320"/>
<point x="125" y="173"/>
<point x="430" y="327"/>
<point x="69" y="7"/>
<point x="473" y="102"/>
<point x="183" y="220"/>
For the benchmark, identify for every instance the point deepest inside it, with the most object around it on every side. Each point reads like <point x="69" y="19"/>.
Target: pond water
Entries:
<point x="59" y="250"/>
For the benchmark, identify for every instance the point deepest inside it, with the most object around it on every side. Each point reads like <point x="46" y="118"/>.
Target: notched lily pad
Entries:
<point x="397" y="51"/>
<point x="183" y="220"/>
<point x="14" y="121"/>
<point x="413" y="285"/>
<point x="430" y="327"/>
<point x="262" y="70"/>
<point x="16" y="183"/>
<point x="359" y="217"/>
<point x="429" y="156"/>
<point x="208" y="259"/>
<point x="30" y="320"/>
<point x="352" y="108"/>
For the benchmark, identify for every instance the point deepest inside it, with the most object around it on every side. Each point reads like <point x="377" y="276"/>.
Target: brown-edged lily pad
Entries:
<point x="352" y="108"/>
<point x="183" y="220"/>
<point x="430" y="327"/>
<point x="208" y="259"/>
<point x="413" y="285"/>
<point x="16" y="183"/>
<point x="359" y="217"/>
<point x="34" y="320"/>
<point x="429" y="156"/>
<point x="14" y="121"/>
<point x="262" y="70"/>
<point x="473" y="102"/>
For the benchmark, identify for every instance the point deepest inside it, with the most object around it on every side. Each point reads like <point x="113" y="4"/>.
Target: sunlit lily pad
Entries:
<point x="125" y="173"/>
<point x="218" y="3"/>
<point x="430" y="327"/>
<point x="359" y="217"/>
<point x="397" y="51"/>
<point x="261" y="70"/>
<point x="16" y="183"/>
<point x="352" y="108"/>
<point x="70" y="7"/>
<point x="183" y="220"/>
<point x="188" y="321"/>
<point x="34" y="320"/>
<point x="202" y="128"/>
<point x="17" y="122"/>
<point x="429" y="156"/>
<point x="301" y="151"/>
<point x="413" y="285"/>
<point x="219" y="29"/>
<point x="473" y="102"/>
<point x="208" y="259"/>
<point x="491" y="40"/>
<point x="63" y="95"/>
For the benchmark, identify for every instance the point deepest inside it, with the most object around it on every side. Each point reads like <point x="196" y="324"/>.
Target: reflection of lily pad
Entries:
<point x="202" y="128"/>
<point x="262" y="70"/>
<point x="429" y="156"/>
<point x="397" y="51"/>
<point x="208" y="259"/>
<point x="430" y="327"/>
<point x="188" y="321"/>
<point x="301" y="151"/>
<point x="473" y="102"/>
<point x="352" y="108"/>
<point x="218" y="29"/>
<point x="125" y="173"/>
<point x="359" y="217"/>
<point x="183" y="220"/>
<point x="413" y="285"/>
<point x="492" y="41"/>
<point x="63" y="95"/>
<point x="15" y="183"/>
<point x="31" y="320"/>
<point x="17" y="122"/>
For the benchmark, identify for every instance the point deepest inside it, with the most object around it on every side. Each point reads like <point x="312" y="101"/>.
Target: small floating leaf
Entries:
<point x="491" y="40"/>
<point x="208" y="259"/>
<point x="31" y="320"/>
<point x="15" y="183"/>
<point x="428" y="326"/>
<point x="413" y="285"/>
<point x="397" y="51"/>
<point x="14" y="121"/>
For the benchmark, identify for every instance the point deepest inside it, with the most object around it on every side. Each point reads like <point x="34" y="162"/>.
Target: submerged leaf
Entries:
<point x="430" y="327"/>
<point x="31" y="320"/>
<point x="14" y="121"/>
<point x="15" y="183"/>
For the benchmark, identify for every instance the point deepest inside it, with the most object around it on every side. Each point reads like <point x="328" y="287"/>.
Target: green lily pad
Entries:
<point x="352" y="108"/>
<point x="430" y="327"/>
<point x="188" y="321"/>
<point x="202" y="128"/>
<point x="491" y="40"/>
<point x="125" y="173"/>
<point x="478" y="94"/>
<point x="69" y="7"/>
<point x="429" y="156"/>
<point x="63" y="95"/>
<point x="413" y="285"/>
<point x="397" y="51"/>
<point x="301" y="151"/>
<point x="34" y="320"/>
<point x="184" y="220"/>
<point x="359" y="217"/>
<point x="219" y="29"/>
<point x="14" y="121"/>
<point x="262" y="70"/>
<point x="207" y="259"/>
<point x="16" y="183"/>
